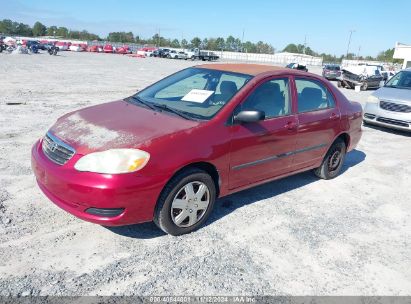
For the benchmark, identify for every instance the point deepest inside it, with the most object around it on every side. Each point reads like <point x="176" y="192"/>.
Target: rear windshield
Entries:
<point x="332" y="67"/>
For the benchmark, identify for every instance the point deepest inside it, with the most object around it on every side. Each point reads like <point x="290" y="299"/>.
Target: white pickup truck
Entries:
<point x="194" y="54"/>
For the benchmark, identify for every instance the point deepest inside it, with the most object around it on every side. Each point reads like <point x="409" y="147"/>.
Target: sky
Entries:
<point x="325" y="25"/>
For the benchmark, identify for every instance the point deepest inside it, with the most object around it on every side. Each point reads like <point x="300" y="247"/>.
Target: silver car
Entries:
<point x="390" y="105"/>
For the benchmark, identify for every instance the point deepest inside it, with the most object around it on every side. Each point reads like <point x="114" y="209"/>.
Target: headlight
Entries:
<point x="372" y="99"/>
<point x="114" y="161"/>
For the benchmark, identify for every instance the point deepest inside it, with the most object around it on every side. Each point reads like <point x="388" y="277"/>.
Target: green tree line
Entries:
<point x="229" y="43"/>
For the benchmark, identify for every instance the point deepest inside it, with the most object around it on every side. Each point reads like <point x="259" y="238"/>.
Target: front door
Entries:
<point x="261" y="150"/>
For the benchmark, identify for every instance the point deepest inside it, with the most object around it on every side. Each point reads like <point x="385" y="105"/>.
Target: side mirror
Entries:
<point x="247" y="116"/>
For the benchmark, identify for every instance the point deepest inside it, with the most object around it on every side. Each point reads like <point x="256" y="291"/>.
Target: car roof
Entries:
<point x="242" y="68"/>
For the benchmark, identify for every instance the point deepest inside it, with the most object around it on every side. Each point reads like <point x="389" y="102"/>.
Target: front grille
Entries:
<point x="369" y="116"/>
<point x="395" y="107"/>
<point x="393" y="122"/>
<point x="56" y="150"/>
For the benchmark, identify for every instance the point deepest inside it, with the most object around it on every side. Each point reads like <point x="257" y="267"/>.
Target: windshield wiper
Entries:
<point x="169" y="109"/>
<point x="147" y="104"/>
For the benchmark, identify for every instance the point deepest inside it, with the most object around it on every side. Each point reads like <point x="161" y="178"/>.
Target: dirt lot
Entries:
<point x="296" y="236"/>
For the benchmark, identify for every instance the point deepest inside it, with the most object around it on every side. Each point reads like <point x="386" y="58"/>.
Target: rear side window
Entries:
<point x="313" y="96"/>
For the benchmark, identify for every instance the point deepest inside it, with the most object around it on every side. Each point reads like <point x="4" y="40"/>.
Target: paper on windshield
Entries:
<point x="196" y="95"/>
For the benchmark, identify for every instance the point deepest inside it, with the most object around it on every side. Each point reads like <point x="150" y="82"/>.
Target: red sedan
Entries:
<point x="167" y="152"/>
<point x="108" y="48"/>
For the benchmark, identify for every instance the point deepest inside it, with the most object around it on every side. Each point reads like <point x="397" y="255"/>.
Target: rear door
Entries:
<point x="261" y="150"/>
<point x="319" y="121"/>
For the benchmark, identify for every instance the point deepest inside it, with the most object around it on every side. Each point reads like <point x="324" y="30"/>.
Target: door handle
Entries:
<point x="291" y="125"/>
<point x="334" y="116"/>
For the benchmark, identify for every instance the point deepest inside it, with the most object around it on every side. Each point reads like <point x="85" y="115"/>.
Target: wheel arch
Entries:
<point x="345" y="137"/>
<point x="209" y="168"/>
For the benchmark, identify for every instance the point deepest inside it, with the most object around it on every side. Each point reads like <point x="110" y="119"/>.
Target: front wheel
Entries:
<point x="333" y="161"/>
<point x="364" y="86"/>
<point x="186" y="202"/>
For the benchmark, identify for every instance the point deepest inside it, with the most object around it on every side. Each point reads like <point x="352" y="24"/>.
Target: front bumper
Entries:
<point x="76" y="192"/>
<point x="373" y="114"/>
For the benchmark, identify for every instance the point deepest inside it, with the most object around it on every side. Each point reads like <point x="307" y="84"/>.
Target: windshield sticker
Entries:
<point x="197" y="95"/>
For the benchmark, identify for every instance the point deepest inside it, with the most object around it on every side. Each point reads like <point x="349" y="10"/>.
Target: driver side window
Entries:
<point x="272" y="97"/>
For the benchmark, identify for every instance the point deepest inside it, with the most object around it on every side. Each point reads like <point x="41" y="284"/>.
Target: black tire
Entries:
<point x="333" y="161"/>
<point x="364" y="86"/>
<point x="162" y="214"/>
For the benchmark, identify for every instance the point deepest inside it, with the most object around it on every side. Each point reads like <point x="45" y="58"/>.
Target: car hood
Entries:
<point x="117" y="124"/>
<point x="394" y="94"/>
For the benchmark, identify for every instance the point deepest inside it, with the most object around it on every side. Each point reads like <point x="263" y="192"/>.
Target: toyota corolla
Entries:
<point x="167" y="152"/>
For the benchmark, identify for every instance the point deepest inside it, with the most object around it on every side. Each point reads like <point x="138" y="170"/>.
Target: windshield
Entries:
<point x="195" y="92"/>
<point x="402" y="80"/>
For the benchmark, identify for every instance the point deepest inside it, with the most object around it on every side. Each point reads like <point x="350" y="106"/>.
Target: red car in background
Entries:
<point x="331" y="71"/>
<point x="63" y="46"/>
<point x="108" y="48"/>
<point x="167" y="152"/>
<point x="95" y="48"/>
<point x="123" y="50"/>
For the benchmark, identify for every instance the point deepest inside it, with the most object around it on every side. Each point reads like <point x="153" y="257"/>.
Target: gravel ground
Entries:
<point x="296" y="236"/>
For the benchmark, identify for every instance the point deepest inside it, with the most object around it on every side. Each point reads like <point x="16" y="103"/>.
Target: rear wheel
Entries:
<point x="333" y="161"/>
<point x="186" y="202"/>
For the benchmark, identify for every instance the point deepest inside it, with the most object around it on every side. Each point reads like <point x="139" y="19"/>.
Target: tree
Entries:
<point x="195" y="42"/>
<point x="291" y="48"/>
<point x="184" y="43"/>
<point x="388" y="56"/>
<point x="52" y="30"/>
<point x="175" y="43"/>
<point x="249" y="47"/>
<point x="121" y="37"/>
<point x="62" y="32"/>
<point x="6" y="26"/>
<point x="15" y="28"/>
<point x="264" y="48"/>
<point x="24" y="30"/>
<point x="220" y="42"/>
<point x="39" y="29"/>
<point x="230" y="43"/>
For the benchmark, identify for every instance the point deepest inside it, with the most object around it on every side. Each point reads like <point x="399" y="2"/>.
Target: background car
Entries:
<point x="108" y="48"/>
<point x="297" y="66"/>
<point x="173" y="54"/>
<point x="390" y="105"/>
<point x="164" y="53"/>
<point x="182" y="55"/>
<point x="62" y="46"/>
<point x="364" y="76"/>
<point x="78" y="47"/>
<point x="331" y="71"/>
<point x="2" y="45"/>
<point x="123" y="50"/>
